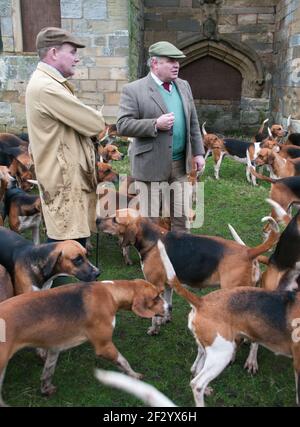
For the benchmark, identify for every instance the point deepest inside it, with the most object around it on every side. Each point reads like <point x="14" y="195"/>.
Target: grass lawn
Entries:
<point x="165" y="359"/>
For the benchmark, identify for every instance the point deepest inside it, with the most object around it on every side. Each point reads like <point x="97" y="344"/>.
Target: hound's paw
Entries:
<point x="251" y="366"/>
<point x="153" y="330"/>
<point x="48" y="390"/>
<point x="208" y="391"/>
<point x="166" y="319"/>
<point x="137" y="376"/>
<point x="42" y="353"/>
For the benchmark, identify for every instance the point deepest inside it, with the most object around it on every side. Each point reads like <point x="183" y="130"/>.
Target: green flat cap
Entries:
<point x="53" y="36"/>
<point x="165" y="49"/>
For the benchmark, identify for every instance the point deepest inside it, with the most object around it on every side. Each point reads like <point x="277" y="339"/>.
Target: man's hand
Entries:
<point x="165" y="122"/>
<point x="199" y="163"/>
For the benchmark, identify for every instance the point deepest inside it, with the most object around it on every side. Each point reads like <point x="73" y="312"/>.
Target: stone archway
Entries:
<point x="241" y="59"/>
<point x="239" y="56"/>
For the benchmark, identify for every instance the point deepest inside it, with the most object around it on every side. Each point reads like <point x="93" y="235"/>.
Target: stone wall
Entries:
<point x="102" y="25"/>
<point x="249" y="23"/>
<point x="136" y="39"/>
<point x="286" y="81"/>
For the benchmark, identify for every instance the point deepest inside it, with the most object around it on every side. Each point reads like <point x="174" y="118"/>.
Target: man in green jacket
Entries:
<point x="158" y="111"/>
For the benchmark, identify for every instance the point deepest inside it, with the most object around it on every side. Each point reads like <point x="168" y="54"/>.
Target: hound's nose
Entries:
<point x="98" y="221"/>
<point x="97" y="272"/>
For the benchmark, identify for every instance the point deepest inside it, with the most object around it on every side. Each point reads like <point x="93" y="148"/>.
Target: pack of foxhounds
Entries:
<point x="260" y="307"/>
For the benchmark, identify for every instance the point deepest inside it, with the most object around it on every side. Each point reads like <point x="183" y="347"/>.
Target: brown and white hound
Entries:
<point x="199" y="261"/>
<point x="236" y="149"/>
<point x="65" y="317"/>
<point x="32" y="266"/>
<point x="222" y="318"/>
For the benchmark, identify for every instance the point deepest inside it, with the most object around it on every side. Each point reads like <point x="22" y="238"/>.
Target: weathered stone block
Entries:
<point x="5" y="7"/>
<point x="247" y="19"/>
<point x="110" y="111"/>
<point x="88" y="85"/>
<point x="95" y="9"/>
<point x="161" y="3"/>
<point x="266" y="18"/>
<point x="81" y="73"/>
<point x="5" y="109"/>
<point x="294" y="40"/>
<point x="96" y="73"/>
<point x="94" y="97"/>
<point x="111" y="61"/>
<point x="81" y="27"/>
<point x="183" y="25"/>
<point x="122" y="51"/>
<point x="6" y="27"/>
<point x="106" y="85"/>
<point x="258" y="38"/>
<point x="118" y="41"/>
<point x="18" y="112"/>
<point x="71" y="8"/>
<point x="249" y="118"/>
<point x="8" y="44"/>
<point x="111" y="98"/>
<point x="67" y="24"/>
<point x="228" y="19"/>
<point x="10" y="96"/>
<point x="118" y="74"/>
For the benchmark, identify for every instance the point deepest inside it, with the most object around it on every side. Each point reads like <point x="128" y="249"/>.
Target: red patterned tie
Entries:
<point x="167" y="85"/>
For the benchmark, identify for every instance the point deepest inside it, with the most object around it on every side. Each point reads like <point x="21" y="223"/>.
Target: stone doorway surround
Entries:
<point x="254" y="105"/>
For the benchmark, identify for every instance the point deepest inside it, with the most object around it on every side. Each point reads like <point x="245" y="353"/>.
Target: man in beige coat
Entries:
<point x="159" y="112"/>
<point x="60" y="127"/>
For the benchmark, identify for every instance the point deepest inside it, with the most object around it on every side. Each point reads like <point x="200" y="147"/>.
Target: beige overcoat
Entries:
<point x="60" y="127"/>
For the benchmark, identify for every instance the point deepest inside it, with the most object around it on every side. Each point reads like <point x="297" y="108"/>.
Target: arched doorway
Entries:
<point x="227" y="80"/>
<point x="213" y="79"/>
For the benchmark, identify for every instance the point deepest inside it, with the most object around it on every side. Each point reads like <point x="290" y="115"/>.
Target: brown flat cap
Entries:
<point x="53" y="36"/>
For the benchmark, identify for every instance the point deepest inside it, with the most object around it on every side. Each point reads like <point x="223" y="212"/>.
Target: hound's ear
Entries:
<point x="50" y="263"/>
<point x="271" y="157"/>
<point x="139" y="307"/>
<point x="129" y="236"/>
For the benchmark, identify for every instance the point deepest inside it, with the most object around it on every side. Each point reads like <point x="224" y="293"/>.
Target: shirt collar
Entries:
<point x="158" y="81"/>
<point x="52" y="71"/>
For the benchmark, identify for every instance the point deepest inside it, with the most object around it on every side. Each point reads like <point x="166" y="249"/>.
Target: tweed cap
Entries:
<point x="165" y="49"/>
<point x="53" y="36"/>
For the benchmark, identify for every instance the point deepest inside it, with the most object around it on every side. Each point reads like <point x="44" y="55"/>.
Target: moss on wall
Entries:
<point x="136" y="38"/>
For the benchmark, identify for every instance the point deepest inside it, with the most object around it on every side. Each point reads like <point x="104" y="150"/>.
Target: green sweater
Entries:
<point x="174" y="105"/>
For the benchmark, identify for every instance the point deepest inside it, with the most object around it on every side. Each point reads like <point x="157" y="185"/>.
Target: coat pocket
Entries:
<point x="88" y="180"/>
<point x="140" y="149"/>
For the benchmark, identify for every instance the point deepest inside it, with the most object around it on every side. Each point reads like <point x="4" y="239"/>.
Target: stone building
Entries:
<point x="243" y="56"/>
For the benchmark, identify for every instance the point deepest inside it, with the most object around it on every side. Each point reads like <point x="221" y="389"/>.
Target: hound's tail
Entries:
<point x="270" y="242"/>
<point x="173" y="279"/>
<point x="146" y="392"/>
<point x="260" y="176"/>
<point x="235" y="235"/>
<point x="203" y="129"/>
<point x="281" y="215"/>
